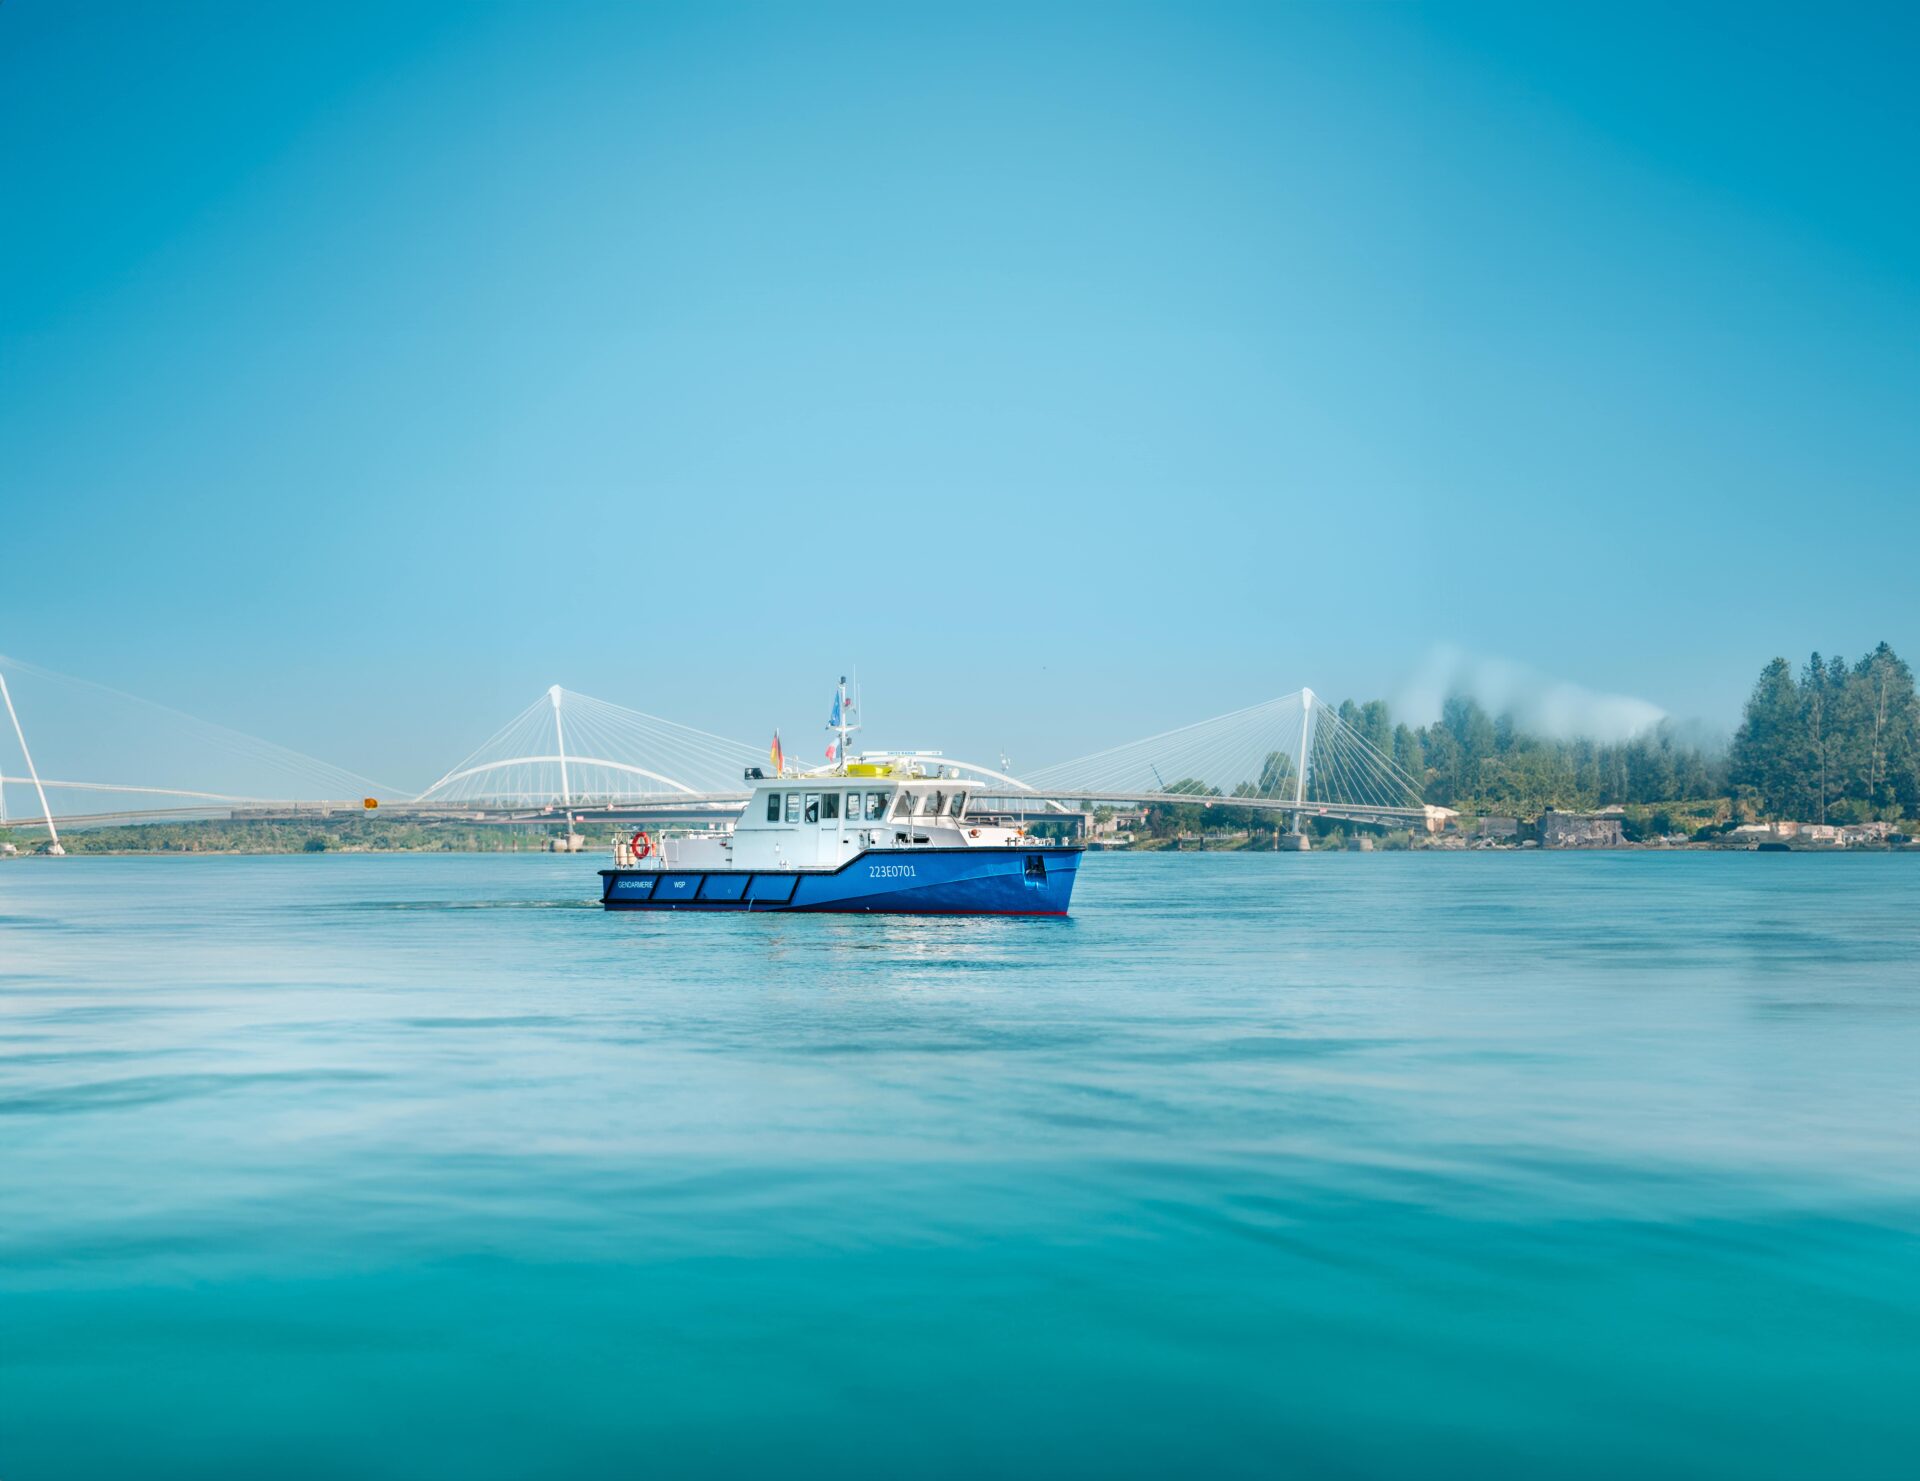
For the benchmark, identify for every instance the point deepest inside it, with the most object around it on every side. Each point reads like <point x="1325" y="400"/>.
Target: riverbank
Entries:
<point x="351" y="835"/>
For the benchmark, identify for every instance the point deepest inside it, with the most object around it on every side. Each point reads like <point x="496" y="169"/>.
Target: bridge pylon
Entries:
<point x="53" y="833"/>
<point x="1304" y="760"/>
<point x="1294" y="755"/>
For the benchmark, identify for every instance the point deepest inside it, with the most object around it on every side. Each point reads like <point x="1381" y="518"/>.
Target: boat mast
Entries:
<point x="842" y="724"/>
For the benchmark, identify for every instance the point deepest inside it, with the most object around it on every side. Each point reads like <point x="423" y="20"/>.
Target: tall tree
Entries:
<point x="1886" y="715"/>
<point x="1821" y="732"/>
<point x="1408" y="756"/>
<point x="1444" y="781"/>
<point x="1472" y="731"/>
<point x="1376" y="726"/>
<point x="1767" y="746"/>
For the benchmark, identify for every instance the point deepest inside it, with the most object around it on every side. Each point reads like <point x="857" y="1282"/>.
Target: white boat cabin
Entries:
<point x="821" y="821"/>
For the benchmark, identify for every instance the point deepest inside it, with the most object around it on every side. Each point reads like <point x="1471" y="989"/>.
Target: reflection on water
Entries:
<point x="1348" y="1164"/>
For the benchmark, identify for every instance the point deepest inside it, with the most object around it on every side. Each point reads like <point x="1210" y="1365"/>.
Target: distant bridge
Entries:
<point x="570" y="754"/>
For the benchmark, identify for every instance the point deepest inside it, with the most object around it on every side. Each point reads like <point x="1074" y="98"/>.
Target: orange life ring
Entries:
<point x="973" y="832"/>
<point x="640" y="844"/>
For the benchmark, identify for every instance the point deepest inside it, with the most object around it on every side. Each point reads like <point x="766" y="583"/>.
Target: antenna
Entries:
<point x="843" y="724"/>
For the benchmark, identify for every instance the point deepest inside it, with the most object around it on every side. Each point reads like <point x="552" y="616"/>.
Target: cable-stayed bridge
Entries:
<point x="567" y="753"/>
<point x="617" y="755"/>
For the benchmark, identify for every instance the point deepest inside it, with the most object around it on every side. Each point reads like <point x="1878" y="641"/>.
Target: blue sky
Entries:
<point x="1074" y="371"/>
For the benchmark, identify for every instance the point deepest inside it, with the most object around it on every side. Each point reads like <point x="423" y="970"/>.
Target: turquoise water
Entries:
<point x="1267" y="1165"/>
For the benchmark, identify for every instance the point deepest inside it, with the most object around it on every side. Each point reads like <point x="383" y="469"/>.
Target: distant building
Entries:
<point x="1498" y="827"/>
<point x="1120" y="825"/>
<point x="1768" y="832"/>
<point x="1580" y="830"/>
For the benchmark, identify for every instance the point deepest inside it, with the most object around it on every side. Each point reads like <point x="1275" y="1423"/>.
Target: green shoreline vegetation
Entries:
<point x="356" y="834"/>
<point x="1834" y="743"/>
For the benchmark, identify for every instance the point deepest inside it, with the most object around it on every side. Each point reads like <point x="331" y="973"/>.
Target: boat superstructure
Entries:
<point x="873" y="833"/>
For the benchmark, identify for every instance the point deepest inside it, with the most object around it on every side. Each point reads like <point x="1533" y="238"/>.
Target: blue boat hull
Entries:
<point x="930" y="881"/>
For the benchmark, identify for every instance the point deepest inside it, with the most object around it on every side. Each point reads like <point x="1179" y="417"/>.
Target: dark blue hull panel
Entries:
<point x="934" y="881"/>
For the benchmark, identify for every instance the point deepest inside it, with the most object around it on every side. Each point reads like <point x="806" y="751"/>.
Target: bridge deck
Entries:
<point x="723" y="807"/>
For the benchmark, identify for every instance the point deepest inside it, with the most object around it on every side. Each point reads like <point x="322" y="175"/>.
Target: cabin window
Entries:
<point x="876" y="806"/>
<point x="959" y="803"/>
<point x="830" y="808"/>
<point x="793" y="807"/>
<point x="904" y="807"/>
<point x="812" y="814"/>
<point x="939" y="805"/>
<point x="773" y="807"/>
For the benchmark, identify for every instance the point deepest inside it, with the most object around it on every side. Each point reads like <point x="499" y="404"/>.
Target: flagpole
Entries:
<point x="841" y="725"/>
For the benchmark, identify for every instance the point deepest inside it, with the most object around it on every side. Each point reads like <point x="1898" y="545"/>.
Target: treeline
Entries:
<point x="1477" y="762"/>
<point x="1837" y="743"/>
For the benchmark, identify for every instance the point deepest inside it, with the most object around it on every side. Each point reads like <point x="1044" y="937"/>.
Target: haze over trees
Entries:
<point x="1837" y="743"/>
